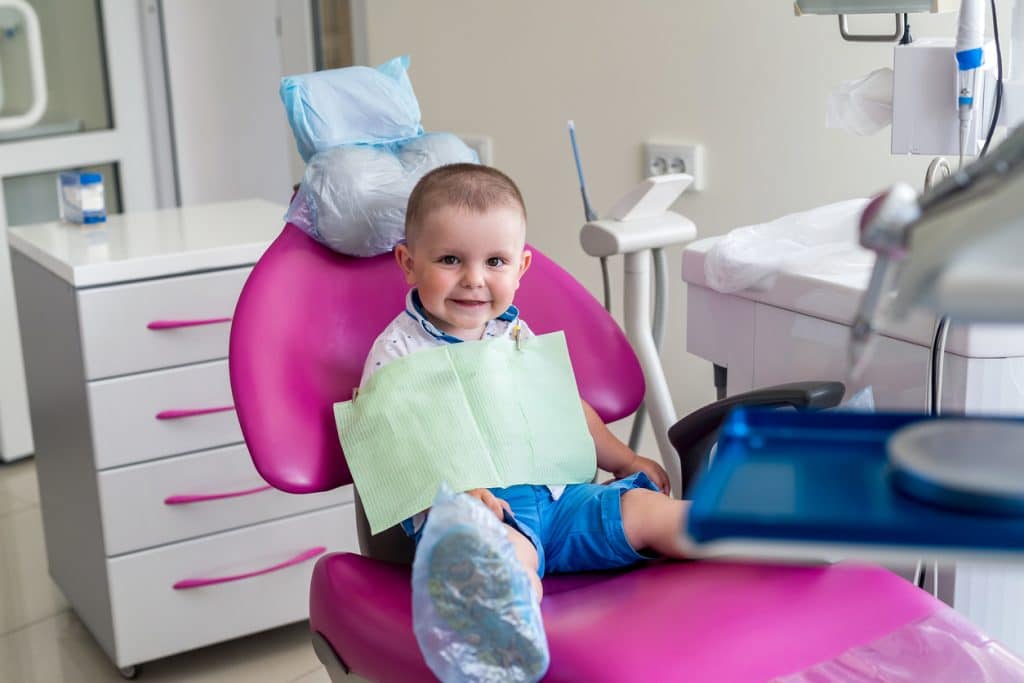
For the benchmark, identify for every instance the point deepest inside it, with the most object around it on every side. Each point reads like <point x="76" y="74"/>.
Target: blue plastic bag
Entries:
<point x="354" y="105"/>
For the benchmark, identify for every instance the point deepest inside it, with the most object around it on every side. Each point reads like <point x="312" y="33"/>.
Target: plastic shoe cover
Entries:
<point x="474" y="612"/>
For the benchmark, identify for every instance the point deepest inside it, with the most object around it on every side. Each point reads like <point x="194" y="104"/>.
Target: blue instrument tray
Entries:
<point x="825" y="477"/>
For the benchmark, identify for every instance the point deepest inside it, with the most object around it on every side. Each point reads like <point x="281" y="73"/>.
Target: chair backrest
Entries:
<point x="306" y="319"/>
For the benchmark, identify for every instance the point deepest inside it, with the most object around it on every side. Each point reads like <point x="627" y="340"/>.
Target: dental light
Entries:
<point x="894" y="7"/>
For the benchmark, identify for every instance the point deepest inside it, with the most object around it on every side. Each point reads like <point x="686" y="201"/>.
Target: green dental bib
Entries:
<point x="475" y="415"/>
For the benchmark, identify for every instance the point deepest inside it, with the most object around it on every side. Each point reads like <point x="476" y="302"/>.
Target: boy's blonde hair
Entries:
<point x="470" y="186"/>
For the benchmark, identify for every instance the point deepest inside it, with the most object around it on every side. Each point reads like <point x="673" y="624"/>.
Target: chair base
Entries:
<point x="337" y="671"/>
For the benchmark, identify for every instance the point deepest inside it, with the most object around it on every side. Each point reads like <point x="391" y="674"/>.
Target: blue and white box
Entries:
<point x="80" y="196"/>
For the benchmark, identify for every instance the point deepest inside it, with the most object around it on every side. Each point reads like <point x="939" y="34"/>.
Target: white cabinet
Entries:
<point x="159" y="530"/>
<point x="158" y="323"/>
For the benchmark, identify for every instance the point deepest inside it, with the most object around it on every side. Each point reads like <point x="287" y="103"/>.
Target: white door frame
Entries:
<point x="129" y="144"/>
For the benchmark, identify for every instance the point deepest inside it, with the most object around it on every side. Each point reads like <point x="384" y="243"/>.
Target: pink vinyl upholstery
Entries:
<point x="306" y="319"/>
<point x="696" y="621"/>
<point x="302" y="328"/>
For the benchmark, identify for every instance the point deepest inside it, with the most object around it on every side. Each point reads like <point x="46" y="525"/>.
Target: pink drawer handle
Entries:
<point x="298" y="559"/>
<point x="186" y="498"/>
<point x="174" y="324"/>
<point x="190" y="412"/>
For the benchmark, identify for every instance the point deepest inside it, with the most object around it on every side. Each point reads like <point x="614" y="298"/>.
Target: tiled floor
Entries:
<point x="42" y="641"/>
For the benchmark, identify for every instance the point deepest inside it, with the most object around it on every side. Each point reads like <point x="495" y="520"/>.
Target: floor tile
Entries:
<point x="58" y="649"/>
<point x="19" y="488"/>
<point x="61" y="650"/>
<point x="27" y="594"/>
<point x="319" y="675"/>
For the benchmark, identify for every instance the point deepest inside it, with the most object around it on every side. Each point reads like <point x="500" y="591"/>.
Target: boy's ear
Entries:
<point x="524" y="265"/>
<point x="405" y="262"/>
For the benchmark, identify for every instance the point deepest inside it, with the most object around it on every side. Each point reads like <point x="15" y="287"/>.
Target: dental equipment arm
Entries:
<point x="883" y="230"/>
<point x="965" y="253"/>
<point x="639" y="224"/>
<point x="960" y="254"/>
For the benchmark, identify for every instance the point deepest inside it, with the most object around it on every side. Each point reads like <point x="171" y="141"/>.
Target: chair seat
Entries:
<point x="771" y="620"/>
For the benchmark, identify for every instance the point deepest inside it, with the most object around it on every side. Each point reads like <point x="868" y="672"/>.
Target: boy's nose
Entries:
<point x="473" y="277"/>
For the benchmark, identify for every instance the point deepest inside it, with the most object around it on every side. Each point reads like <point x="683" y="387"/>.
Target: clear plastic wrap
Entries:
<point x="862" y="401"/>
<point x="825" y="238"/>
<point x="354" y="105"/>
<point x="474" y="612"/>
<point x="942" y="648"/>
<point x="862" y="106"/>
<point x="352" y="198"/>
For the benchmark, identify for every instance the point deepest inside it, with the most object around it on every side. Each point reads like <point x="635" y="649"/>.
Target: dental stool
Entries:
<point x="301" y="331"/>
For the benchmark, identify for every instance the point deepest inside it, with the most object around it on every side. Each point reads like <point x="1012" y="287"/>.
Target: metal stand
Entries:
<point x="639" y="227"/>
<point x="637" y="303"/>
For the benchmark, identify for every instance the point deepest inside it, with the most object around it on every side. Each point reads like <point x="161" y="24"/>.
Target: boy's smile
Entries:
<point x="466" y="266"/>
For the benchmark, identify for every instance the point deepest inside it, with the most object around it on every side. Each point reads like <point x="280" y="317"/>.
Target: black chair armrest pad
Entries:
<point x="693" y="436"/>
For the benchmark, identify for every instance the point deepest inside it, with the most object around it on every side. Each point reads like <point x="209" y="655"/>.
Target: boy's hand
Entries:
<point x="655" y="472"/>
<point x="493" y="503"/>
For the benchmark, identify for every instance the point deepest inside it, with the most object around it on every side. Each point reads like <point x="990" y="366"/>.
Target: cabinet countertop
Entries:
<point x="150" y="244"/>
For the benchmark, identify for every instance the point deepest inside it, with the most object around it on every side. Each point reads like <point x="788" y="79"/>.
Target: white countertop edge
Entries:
<point x="143" y="268"/>
<point x="839" y="304"/>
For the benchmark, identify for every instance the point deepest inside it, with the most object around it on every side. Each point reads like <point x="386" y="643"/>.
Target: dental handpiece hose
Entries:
<point x="970" y="56"/>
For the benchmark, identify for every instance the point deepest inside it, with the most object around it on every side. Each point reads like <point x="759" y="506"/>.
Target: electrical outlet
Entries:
<point x="661" y="158"/>
<point x="483" y="145"/>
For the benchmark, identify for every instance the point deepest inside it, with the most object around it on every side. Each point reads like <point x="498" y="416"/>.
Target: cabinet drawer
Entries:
<point x="153" y="619"/>
<point x="141" y="417"/>
<point x="192" y="495"/>
<point x="157" y="324"/>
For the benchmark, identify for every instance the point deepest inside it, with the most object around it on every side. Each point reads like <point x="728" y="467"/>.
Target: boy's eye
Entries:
<point x="495" y="262"/>
<point x="449" y="260"/>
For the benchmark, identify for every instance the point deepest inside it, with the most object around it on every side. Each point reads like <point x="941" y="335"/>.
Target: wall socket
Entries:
<point x="661" y="158"/>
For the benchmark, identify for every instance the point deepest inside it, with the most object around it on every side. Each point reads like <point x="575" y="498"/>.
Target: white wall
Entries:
<point x="745" y="78"/>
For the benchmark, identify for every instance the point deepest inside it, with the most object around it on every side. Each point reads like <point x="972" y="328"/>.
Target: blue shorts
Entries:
<point x="582" y="530"/>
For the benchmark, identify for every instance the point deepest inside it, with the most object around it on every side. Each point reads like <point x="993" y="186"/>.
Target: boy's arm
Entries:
<point x="618" y="458"/>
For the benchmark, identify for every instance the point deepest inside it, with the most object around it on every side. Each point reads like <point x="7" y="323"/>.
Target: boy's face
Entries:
<point x="466" y="266"/>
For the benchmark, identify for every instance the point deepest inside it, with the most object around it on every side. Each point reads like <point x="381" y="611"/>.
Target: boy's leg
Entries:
<point x="596" y="527"/>
<point x="528" y="557"/>
<point x="654" y="521"/>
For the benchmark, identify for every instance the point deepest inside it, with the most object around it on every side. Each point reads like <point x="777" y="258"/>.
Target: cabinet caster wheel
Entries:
<point x="129" y="673"/>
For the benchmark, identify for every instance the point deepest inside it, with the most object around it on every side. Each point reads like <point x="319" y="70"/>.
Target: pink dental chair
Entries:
<point x="301" y="331"/>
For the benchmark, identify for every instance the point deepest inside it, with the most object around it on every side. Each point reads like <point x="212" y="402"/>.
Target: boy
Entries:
<point x="464" y="256"/>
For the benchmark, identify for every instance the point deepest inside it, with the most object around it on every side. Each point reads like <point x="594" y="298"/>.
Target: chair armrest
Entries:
<point x="693" y="436"/>
<point x="390" y="545"/>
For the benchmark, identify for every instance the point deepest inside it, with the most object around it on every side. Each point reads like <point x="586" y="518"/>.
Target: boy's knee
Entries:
<point x="524" y="549"/>
<point x="638" y="501"/>
<point x="647" y="515"/>
<point x="636" y="506"/>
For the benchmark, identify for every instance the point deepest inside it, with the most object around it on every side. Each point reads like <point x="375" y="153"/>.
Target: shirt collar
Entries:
<point x="414" y="309"/>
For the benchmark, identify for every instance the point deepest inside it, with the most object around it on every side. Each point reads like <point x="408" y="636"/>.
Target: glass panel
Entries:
<point x="332" y="28"/>
<point x="76" y="75"/>
<point x="33" y="198"/>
